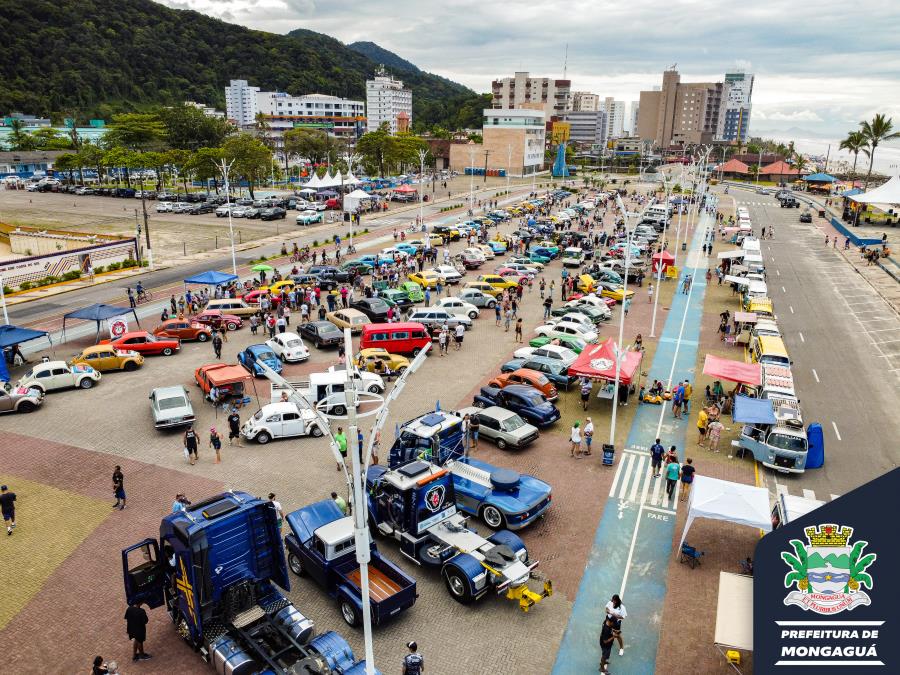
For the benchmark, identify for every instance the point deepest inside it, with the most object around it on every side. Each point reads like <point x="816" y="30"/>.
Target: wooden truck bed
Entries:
<point x="380" y="586"/>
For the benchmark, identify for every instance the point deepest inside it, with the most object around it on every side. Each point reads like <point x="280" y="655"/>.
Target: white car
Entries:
<point x="394" y="253"/>
<point x="458" y="307"/>
<point x="557" y="352"/>
<point x="165" y="207"/>
<point x="288" y="347"/>
<point x="591" y="301"/>
<point x="436" y="317"/>
<point x="53" y="375"/>
<point x="283" y="419"/>
<point x="476" y="253"/>
<point x="223" y="210"/>
<point x="318" y="206"/>
<point x="571" y="329"/>
<point x="575" y="318"/>
<point x="181" y="207"/>
<point x="486" y="251"/>
<point x="524" y="269"/>
<point x="447" y="273"/>
<point x="527" y="262"/>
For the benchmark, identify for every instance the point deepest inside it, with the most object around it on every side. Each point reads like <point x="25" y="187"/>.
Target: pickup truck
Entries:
<point x="321" y="545"/>
<point x="530" y="404"/>
<point x="320" y="386"/>
<point x="416" y="505"/>
<point x="218" y="568"/>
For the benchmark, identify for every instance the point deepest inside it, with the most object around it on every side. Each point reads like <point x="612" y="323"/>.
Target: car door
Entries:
<point x="292" y="424"/>
<point x="137" y="343"/>
<point x="45" y="378"/>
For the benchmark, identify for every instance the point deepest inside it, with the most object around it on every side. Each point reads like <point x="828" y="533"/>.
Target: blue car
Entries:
<point x="502" y="498"/>
<point x="251" y="354"/>
<point x="542" y="251"/>
<point x="553" y="369"/>
<point x="529" y="403"/>
<point x="408" y="249"/>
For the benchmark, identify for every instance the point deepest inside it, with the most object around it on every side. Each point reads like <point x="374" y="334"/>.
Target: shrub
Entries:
<point x="7" y="290"/>
<point x="99" y="269"/>
<point x="315" y="243"/>
<point x="69" y="276"/>
<point x="129" y="262"/>
<point x="112" y="267"/>
<point x="26" y="285"/>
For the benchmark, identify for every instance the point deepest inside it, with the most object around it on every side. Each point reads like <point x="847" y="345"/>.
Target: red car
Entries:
<point x="183" y="329"/>
<point x="216" y="319"/>
<point x="514" y="275"/>
<point x="253" y="297"/>
<point x="144" y="343"/>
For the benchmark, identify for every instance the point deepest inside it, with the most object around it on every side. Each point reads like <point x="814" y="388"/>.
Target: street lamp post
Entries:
<point x="472" y="179"/>
<point x="659" y="265"/>
<point x="351" y="160"/>
<point x="508" y="165"/>
<point x="422" y="154"/>
<point x="225" y="168"/>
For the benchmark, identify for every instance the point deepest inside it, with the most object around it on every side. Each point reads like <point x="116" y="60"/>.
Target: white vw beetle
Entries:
<point x="288" y="347"/>
<point x="281" y="420"/>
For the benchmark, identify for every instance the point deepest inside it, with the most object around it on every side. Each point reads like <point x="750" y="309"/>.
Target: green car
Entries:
<point x="396" y="297"/>
<point x="412" y="290"/>
<point x="542" y="259"/>
<point x="360" y="266"/>
<point x="574" y="343"/>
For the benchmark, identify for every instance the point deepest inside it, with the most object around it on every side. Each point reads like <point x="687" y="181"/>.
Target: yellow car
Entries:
<point x="435" y="239"/>
<point x="613" y="291"/>
<point x="371" y="359"/>
<point x="286" y="284"/>
<point x="497" y="281"/>
<point x="586" y="283"/>
<point x="425" y="278"/>
<point x="105" y="357"/>
<point x="348" y="318"/>
<point x="485" y="288"/>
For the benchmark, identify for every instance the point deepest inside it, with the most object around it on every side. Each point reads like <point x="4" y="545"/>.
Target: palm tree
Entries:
<point x="800" y="162"/>
<point x="880" y="129"/>
<point x="854" y="143"/>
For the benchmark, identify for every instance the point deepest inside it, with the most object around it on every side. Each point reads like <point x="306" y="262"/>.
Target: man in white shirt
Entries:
<point x="459" y="334"/>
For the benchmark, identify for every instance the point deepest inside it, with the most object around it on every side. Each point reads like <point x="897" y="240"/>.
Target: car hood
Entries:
<point x="527" y="493"/>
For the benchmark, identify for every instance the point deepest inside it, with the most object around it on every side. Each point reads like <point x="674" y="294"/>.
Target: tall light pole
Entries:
<point x="351" y="160"/>
<point x="659" y="265"/>
<point x="225" y="168"/>
<point x="422" y="154"/>
<point x="3" y="302"/>
<point x="629" y="236"/>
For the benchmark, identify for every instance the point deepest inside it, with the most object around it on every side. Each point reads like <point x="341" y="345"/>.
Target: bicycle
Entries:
<point x="144" y="296"/>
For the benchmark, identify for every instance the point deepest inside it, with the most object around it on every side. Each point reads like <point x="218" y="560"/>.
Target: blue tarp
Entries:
<point x="820" y="178"/>
<point x="98" y="313"/>
<point x="211" y="278"/>
<point x="13" y="335"/>
<point x="851" y="192"/>
<point x="753" y="410"/>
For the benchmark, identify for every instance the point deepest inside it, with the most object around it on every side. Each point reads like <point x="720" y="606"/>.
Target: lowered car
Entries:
<point x="259" y="352"/>
<point x="49" y="376"/>
<point x="106" y="357"/>
<point x="502" y="426"/>
<point x="183" y="329"/>
<point x="288" y="347"/>
<point x="142" y="342"/>
<point x="514" y="373"/>
<point x="20" y="399"/>
<point x="171" y="407"/>
<point x="322" y="333"/>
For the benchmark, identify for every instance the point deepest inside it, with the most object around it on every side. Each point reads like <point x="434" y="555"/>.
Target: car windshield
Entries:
<point x="785" y="442"/>
<point x="258" y="416"/>
<point x="171" y="403"/>
<point x="535" y="398"/>
<point x="266" y="355"/>
<point x="330" y="328"/>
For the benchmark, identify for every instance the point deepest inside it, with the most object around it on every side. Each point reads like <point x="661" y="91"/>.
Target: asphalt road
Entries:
<point x="845" y="344"/>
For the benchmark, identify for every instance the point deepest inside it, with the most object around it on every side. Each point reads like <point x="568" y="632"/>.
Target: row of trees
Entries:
<point x="866" y="140"/>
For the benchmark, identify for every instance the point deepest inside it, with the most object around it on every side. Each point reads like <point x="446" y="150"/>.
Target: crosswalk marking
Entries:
<point x="635" y="484"/>
<point x="809" y="494"/>
<point x="634" y="478"/>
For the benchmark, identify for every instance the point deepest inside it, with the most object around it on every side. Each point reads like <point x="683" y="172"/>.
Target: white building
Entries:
<point x="635" y="110"/>
<point x="207" y="110"/>
<point x="734" y="122"/>
<point x="583" y="101"/>
<point x="240" y="103"/>
<point x="523" y="91"/>
<point x="588" y="128"/>
<point x="615" y="117"/>
<point x="386" y="99"/>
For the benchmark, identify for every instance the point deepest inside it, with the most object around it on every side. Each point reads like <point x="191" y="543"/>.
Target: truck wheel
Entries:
<point x="263" y="437"/>
<point x="167" y="351"/>
<point x="339" y="410"/>
<point x="426" y="557"/>
<point x="26" y="407"/>
<point x="458" y="585"/>
<point x="350" y="613"/>
<point x="295" y="565"/>
<point x="86" y="383"/>
<point x="130" y="366"/>
<point x="493" y="517"/>
<point x="315" y="431"/>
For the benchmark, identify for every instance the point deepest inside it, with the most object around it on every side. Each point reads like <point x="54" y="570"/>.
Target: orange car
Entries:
<point x="230" y="380"/>
<point x="183" y="329"/>
<point x="527" y="376"/>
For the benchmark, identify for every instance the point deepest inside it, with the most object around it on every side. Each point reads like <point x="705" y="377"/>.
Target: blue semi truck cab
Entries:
<point x="217" y="568"/>
<point x="321" y="546"/>
<point x="415" y="504"/>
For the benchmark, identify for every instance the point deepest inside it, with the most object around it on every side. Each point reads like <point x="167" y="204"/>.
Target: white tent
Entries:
<point x="734" y="612"/>
<point x="308" y="190"/>
<point x="889" y="193"/>
<point x="360" y="194"/>
<point x="740" y="281"/>
<point x="352" y="200"/>
<point x="738" y="253"/>
<point x="350" y="179"/>
<point x="722" y="500"/>
<point x="314" y="182"/>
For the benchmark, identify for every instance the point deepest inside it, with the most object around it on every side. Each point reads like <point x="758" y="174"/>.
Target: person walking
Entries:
<point x="702" y="424"/>
<point x="234" y="427"/>
<point x="607" y="635"/>
<point x="340" y="501"/>
<point x="8" y="509"/>
<point x="136" y="626"/>
<point x="686" y="398"/>
<point x="190" y="444"/>
<point x="442" y="340"/>
<point x="217" y="344"/>
<point x="650" y="292"/>
<point x="341" y="439"/>
<point x="588" y="436"/>
<point x="507" y="319"/>
<point x="548" y="304"/>
<point x="497" y="311"/>
<point x="215" y="442"/>
<point x="615" y="610"/>
<point x="575" y="440"/>
<point x="714" y="431"/>
<point x="656" y="457"/>
<point x="118" y="481"/>
<point x="459" y="334"/>
<point x="519" y="330"/>
<point x="586" y="386"/>
<point x="474" y="428"/>
<point x="626" y="305"/>
<point x="673" y="471"/>
<point x="279" y="512"/>
<point x="414" y="662"/>
<point x="687" y="477"/>
<point x="677" y="397"/>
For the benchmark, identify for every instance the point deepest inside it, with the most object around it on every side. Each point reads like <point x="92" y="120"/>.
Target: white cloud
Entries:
<point x="793" y="116"/>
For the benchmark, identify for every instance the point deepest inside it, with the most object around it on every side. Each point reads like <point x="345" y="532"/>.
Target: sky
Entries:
<point x="820" y="67"/>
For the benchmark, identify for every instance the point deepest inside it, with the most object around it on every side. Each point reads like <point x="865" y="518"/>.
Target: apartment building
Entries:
<point x="681" y="113"/>
<point x="386" y="101"/>
<point x="583" y="101"/>
<point x="240" y="103"/>
<point x="615" y="116"/>
<point x="553" y="96"/>
<point x="513" y="140"/>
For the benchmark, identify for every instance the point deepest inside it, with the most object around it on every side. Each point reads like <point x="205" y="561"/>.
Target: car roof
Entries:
<point x="51" y="364"/>
<point x="289" y="336"/>
<point x="259" y="348"/>
<point x="170" y="391"/>
<point x="96" y="348"/>
<point x="304" y="522"/>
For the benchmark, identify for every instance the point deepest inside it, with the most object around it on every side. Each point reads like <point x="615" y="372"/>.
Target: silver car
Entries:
<point x="502" y="426"/>
<point x="171" y="407"/>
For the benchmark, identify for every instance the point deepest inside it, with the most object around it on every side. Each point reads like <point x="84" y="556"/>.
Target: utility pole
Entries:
<point x="486" y="153"/>
<point x="225" y="168"/>
<point x="659" y="265"/>
<point x="137" y="238"/>
<point x="619" y="352"/>
<point x="146" y="221"/>
<point x="472" y="179"/>
<point x="508" y="164"/>
<point x="422" y="154"/>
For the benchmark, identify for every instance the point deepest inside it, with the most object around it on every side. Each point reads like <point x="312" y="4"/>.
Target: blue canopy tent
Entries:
<point x="820" y="178"/>
<point x="749" y="410"/>
<point x="98" y="313"/>
<point x="211" y="278"/>
<point x="11" y="336"/>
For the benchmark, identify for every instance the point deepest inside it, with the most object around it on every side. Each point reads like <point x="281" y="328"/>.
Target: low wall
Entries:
<point x="17" y="271"/>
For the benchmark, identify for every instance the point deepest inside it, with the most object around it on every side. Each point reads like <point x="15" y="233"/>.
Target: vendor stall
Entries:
<point x="211" y="278"/>
<point x="663" y="258"/>
<point x="732" y="502"/>
<point x="733" y="371"/>
<point x="734" y="615"/>
<point x="100" y="313"/>
<point x="598" y="362"/>
<point x="10" y="339"/>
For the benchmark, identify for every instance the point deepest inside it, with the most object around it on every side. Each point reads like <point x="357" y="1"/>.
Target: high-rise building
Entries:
<point x="633" y="118"/>
<point x="587" y="128"/>
<point x="386" y="99"/>
<point x="734" y="124"/>
<point x="681" y="113"/>
<point x="583" y="101"/>
<point x="240" y="103"/>
<point x="615" y="116"/>
<point x="515" y="92"/>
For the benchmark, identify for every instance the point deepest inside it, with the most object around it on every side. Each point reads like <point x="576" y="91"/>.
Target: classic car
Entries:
<point x="106" y="357"/>
<point x="476" y="297"/>
<point x="512" y="372"/>
<point x="216" y="319"/>
<point x="288" y="347"/>
<point x="458" y="307"/>
<point x="412" y="290"/>
<point x="250" y="355"/>
<point x="183" y="329"/>
<point x="550" y="352"/>
<point x="171" y="407"/>
<point x="142" y="342"/>
<point x="425" y="278"/>
<point x="553" y="370"/>
<point x="502" y="426"/>
<point x="283" y="419"/>
<point x="348" y="318"/>
<point x="49" y="376"/>
<point x="321" y="333"/>
<point x="20" y="399"/>
<point x="372" y="359"/>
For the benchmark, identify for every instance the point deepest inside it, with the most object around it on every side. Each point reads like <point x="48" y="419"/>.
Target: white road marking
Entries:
<point x="638" y="475"/>
<point x="808" y="494"/>
<point x="802" y="339"/>
<point x="791" y="307"/>
<point x="836" y="432"/>
<point x="627" y="473"/>
<point x="782" y="290"/>
<point x="778" y="272"/>
<point x="816" y="375"/>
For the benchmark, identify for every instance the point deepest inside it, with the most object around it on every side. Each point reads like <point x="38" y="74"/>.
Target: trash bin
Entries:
<point x="821" y="213"/>
<point x="684" y="246"/>
<point x="609" y="454"/>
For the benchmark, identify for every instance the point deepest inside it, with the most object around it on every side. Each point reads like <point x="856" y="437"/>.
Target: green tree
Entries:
<point x="117" y="156"/>
<point x="136" y="131"/>
<point x="19" y="139"/>
<point x="252" y="159"/>
<point x="308" y="144"/>
<point x="48" y="138"/>
<point x="854" y="143"/>
<point x="92" y="155"/>
<point x="204" y="165"/>
<point x="376" y="148"/>
<point x="67" y="163"/>
<point x="800" y="162"/>
<point x="187" y="128"/>
<point x="880" y="129"/>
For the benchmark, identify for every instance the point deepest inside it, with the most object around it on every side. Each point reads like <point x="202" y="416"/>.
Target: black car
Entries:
<point x="272" y="213"/>
<point x="205" y="207"/>
<point x="330" y="272"/>
<point x="252" y="212"/>
<point x="321" y="333"/>
<point x="124" y="192"/>
<point x="445" y="231"/>
<point x="374" y="308"/>
<point x="790" y="203"/>
<point x="806" y="217"/>
<point x="167" y="197"/>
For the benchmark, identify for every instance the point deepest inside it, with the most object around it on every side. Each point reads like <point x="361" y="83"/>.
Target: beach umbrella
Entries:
<point x="262" y="267"/>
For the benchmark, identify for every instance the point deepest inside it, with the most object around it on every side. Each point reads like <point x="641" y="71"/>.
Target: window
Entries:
<point x="401" y="335"/>
<point x="290" y="417"/>
<point x="46" y="373"/>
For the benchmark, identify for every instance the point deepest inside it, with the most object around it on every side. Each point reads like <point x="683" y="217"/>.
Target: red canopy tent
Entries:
<point x="599" y="362"/>
<point x="733" y="371"/>
<point x="405" y="188"/>
<point x="663" y="257"/>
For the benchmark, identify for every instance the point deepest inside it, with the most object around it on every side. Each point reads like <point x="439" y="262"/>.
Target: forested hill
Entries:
<point x="92" y="58"/>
